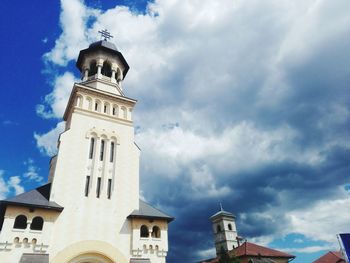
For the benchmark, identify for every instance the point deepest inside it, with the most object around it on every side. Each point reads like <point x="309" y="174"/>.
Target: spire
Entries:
<point x="105" y="34"/>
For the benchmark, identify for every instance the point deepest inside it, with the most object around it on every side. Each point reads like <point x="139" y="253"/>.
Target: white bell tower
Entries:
<point x="90" y="210"/>
<point x="225" y="232"/>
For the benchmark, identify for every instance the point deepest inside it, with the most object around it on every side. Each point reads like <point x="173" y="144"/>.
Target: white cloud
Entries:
<point x="324" y="220"/>
<point x="47" y="143"/>
<point x="13" y="183"/>
<point x="219" y="72"/>
<point x="207" y="253"/>
<point x="58" y="98"/>
<point x="310" y="249"/>
<point x="32" y="172"/>
<point x="73" y="19"/>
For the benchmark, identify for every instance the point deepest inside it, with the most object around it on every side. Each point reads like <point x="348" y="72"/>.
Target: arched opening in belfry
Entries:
<point x="92" y="68"/>
<point x="106" y="69"/>
<point x="144" y="231"/>
<point x="37" y="223"/>
<point x="20" y="222"/>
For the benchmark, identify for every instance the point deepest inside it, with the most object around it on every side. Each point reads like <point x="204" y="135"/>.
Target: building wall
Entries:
<point x="92" y="218"/>
<point x="37" y="241"/>
<point x="153" y="247"/>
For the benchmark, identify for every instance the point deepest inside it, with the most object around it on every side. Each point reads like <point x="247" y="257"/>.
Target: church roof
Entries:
<point x="147" y="211"/>
<point x="34" y="258"/>
<point x="331" y="257"/>
<point x="250" y="249"/>
<point x="222" y="213"/>
<point x="38" y="198"/>
<point x="261" y="260"/>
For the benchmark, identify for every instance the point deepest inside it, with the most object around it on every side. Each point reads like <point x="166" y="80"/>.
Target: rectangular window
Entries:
<point x="111" y="157"/>
<point x="102" y="150"/>
<point x="105" y="109"/>
<point x="96" y="106"/>
<point x="109" y="190"/>
<point x="87" y="185"/>
<point x="98" y="187"/>
<point x="113" y="111"/>
<point x="92" y="145"/>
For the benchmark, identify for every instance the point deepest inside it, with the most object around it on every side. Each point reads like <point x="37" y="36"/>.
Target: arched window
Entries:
<point x="106" y="108"/>
<point x="93" y="68"/>
<point x="115" y="110"/>
<point x="20" y="222"/>
<point x="102" y="150"/>
<point x="98" y="106"/>
<point x="229" y="227"/>
<point x="156" y="232"/>
<point x="79" y="101"/>
<point x="106" y="69"/>
<point x="144" y="231"/>
<point x="92" y="146"/>
<point x="123" y="113"/>
<point x="111" y="157"/>
<point x="37" y="223"/>
<point x="89" y="103"/>
<point x="218" y="228"/>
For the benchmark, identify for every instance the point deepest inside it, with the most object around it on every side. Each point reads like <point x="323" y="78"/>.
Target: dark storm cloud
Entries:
<point x="247" y="105"/>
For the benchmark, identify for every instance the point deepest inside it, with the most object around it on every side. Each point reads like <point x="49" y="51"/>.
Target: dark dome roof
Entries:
<point x="103" y="43"/>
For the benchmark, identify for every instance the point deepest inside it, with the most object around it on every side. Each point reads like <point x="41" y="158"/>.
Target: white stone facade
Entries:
<point x="95" y="178"/>
<point x="225" y="231"/>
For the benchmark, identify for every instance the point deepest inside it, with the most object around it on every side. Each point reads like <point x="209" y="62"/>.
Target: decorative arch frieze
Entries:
<point x="101" y="133"/>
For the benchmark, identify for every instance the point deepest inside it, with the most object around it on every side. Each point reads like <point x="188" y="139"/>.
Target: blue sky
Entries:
<point x="240" y="102"/>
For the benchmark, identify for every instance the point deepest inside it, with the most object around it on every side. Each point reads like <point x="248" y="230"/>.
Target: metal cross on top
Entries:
<point x="105" y="34"/>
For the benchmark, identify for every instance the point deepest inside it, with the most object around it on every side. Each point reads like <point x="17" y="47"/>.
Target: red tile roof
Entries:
<point x="331" y="257"/>
<point x="250" y="249"/>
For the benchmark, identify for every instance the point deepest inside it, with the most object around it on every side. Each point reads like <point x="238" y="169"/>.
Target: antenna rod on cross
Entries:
<point x="105" y="34"/>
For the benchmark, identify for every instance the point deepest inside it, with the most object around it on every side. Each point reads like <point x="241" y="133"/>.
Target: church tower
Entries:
<point x="91" y="210"/>
<point x="225" y="232"/>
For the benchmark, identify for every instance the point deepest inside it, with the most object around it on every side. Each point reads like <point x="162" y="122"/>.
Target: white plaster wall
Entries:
<point x="92" y="218"/>
<point x="150" y="247"/>
<point x="11" y="252"/>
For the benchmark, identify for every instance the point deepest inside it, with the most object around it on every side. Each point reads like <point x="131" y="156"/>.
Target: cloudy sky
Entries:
<point x="241" y="102"/>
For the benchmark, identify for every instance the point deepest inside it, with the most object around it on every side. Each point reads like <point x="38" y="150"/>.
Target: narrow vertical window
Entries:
<point x="96" y="106"/>
<point x="102" y="150"/>
<point x="87" y="185"/>
<point x="109" y="189"/>
<point x="111" y="157"/>
<point x="113" y="111"/>
<point x="98" y="189"/>
<point x="105" y="109"/>
<point x="92" y="145"/>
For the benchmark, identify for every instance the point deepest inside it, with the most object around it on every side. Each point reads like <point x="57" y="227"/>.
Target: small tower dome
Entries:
<point x="102" y="66"/>
<point x="225" y="232"/>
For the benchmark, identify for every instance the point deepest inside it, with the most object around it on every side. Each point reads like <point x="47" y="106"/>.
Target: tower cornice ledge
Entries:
<point x="95" y="92"/>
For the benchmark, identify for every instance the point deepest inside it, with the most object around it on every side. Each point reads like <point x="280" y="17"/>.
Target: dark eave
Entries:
<point x="146" y="211"/>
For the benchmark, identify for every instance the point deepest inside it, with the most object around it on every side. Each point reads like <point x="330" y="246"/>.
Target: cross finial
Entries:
<point x="105" y="34"/>
<point x="221" y="207"/>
